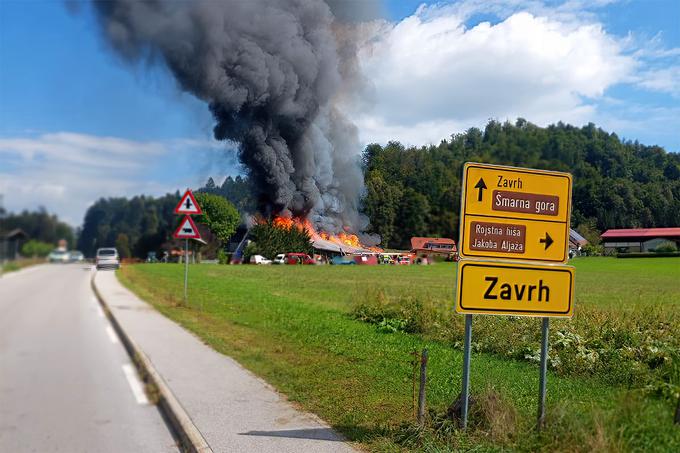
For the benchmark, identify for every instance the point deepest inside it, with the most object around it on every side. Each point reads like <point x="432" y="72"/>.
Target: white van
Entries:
<point x="280" y="258"/>
<point x="107" y="258"/>
<point x="259" y="259"/>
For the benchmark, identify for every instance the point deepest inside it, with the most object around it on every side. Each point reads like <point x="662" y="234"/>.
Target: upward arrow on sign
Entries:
<point x="481" y="185"/>
<point x="188" y="205"/>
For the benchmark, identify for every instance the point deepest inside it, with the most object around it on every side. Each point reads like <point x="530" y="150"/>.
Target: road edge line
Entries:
<point x="189" y="436"/>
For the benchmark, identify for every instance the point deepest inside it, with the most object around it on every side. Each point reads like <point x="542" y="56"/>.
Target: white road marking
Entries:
<point x="135" y="384"/>
<point x="100" y="312"/>
<point x="112" y="335"/>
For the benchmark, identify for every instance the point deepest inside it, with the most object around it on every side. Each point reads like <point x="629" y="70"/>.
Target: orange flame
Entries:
<point x="342" y="238"/>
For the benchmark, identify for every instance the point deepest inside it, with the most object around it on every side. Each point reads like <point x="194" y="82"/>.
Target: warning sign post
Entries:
<point x="187" y="229"/>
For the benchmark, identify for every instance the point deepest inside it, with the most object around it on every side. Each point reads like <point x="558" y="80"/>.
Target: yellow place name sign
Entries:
<point x="503" y="288"/>
<point x="515" y="213"/>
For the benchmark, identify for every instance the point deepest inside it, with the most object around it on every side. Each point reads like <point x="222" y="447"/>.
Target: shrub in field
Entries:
<point x="666" y="247"/>
<point x="593" y="250"/>
<point x="223" y="257"/>
<point x="410" y="314"/>
<point x="638" y="349"/>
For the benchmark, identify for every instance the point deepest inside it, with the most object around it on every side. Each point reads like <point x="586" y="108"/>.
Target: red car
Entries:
<point x="298" y="258"/>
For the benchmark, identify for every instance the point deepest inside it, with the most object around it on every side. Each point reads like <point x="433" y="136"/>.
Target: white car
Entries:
<point x="74" y="256"/>
<point x="58" y="256"/>
<point x="259" y="259"/>
<point x="107" y="258"/>
<point x="280" y="259"/>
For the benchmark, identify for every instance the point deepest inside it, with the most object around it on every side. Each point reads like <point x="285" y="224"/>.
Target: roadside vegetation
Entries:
<point x="340" y="342"/>
<point x="12" y="266"/>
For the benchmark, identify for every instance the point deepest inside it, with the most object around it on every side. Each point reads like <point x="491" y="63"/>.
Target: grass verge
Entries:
<point x="13" y="266"/>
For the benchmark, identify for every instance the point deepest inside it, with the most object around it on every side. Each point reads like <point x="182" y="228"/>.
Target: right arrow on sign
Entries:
<point x="481" y="185"/>
<point x="547" y="240"/>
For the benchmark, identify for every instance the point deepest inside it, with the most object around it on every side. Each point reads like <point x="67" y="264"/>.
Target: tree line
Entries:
<point x="415" y="191"/>
<point x="38" y="225"/>
<point x="144" y="224"/>
<point x="135" y="226"/>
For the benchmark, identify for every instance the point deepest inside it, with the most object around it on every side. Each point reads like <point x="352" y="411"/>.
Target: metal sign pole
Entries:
<point x="186" y="268"/>
<point x="544" y="369"/>
<point x="466" y="371"/>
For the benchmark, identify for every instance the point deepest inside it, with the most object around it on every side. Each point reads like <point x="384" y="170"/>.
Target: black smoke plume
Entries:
<point x="271" y="73"/>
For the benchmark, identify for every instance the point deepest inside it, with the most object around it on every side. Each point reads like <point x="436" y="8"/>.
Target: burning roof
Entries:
<point x="343" y="243"/>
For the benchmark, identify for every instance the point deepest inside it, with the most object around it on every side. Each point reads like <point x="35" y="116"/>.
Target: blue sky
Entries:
<point x="76" y="123"/>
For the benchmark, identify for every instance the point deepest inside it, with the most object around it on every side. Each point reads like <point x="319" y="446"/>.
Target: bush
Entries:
<point x="35" y="248"/>
<point x="666" y="247"/>
<point x="592" y="250"/>
<point x="223" y="257"/>
<point x="636" y="349"/>
<point x="218" y="214"/>
<point x="410" y="314"/>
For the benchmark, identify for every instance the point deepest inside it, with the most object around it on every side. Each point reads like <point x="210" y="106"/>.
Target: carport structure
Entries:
<point x="638" y="239"/>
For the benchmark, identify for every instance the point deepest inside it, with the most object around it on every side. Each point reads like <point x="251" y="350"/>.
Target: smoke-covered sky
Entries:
<point x="77" y="122"/>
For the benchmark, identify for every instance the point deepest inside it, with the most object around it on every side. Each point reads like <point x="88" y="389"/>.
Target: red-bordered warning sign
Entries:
<point x="187" y="230"/>
<point x="187" y="205"/>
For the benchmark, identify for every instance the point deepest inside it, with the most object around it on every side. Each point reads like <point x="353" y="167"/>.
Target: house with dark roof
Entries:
<point x="11" y="243"/>
<point x="638" y="239"/>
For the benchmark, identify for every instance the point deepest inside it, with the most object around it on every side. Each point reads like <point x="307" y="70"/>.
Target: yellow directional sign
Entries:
<point x="494" y="287"/>
<point x="515" y="213"/>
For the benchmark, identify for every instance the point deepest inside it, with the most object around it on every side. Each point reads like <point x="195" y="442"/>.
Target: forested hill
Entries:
<point x="416" y="191"/>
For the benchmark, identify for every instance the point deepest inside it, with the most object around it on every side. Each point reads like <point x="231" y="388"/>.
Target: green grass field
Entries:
<point x="306" y="331"/>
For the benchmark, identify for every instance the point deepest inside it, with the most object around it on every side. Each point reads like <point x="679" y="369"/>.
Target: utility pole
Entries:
<point x="3" y="257"/>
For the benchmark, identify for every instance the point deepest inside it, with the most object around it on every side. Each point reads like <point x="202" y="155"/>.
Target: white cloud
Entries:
<point x="66" y="172"/>
<point x="664" y="80"/>
<point x="430" y="73"/>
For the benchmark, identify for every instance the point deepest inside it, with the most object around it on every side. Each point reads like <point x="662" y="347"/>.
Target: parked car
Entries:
<point x="76" y="256"/>
<point x="280" y="259"/>
<point x="259" y="259"/>
<point x="299" y="258"/>
<point x="151" y="257"/>
<point x="107" y="258"/>
<point x="366" y="260"/>
<point x="404" y="260"/>
<point x="342" y="260"/>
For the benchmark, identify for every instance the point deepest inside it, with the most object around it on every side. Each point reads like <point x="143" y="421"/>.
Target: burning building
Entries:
<point x="329" y="244"/>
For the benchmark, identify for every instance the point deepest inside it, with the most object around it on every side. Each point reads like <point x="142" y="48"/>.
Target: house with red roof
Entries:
<point x="425" y="248"/>
<point x="638" y="239"/>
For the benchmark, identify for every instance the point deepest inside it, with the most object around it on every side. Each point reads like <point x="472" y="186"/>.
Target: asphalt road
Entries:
<point x="66" y="383"/>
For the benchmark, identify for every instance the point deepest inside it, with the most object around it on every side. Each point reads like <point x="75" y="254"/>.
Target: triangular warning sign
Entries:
<point x="188" y="205"/>
<point x="187" y="230"/>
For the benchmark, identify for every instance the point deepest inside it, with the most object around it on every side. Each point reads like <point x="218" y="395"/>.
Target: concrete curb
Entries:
<point x="189" y="436"/>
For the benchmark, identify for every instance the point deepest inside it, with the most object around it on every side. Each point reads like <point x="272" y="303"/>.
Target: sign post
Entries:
<point x="186" y="268"/>
<point x="466" y="371"/>
<point x="514" y="237"/>
<point x="187" y="229"/>
<point x="545" y="325"/>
